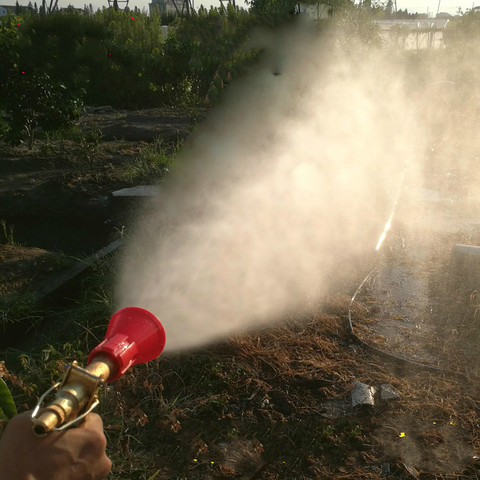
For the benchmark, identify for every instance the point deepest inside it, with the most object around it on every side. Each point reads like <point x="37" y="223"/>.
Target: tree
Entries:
<point x="9" y="57"/>
<point x="389" y="9"/>
<point x="206" y="40"/>
<point x="46" y="67"/>
<point x="272" y="12"/>
<point x="359" y="29"/>
<point x="66" y="47"/>
<point x="337" y="7"/>
<point x="50" y="8"/>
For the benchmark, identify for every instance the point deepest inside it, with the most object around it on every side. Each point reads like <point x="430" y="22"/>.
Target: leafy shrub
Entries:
<point x="89" y="144"/>
<point x="122" y="58"/>
<point x="36" y="100"/>
<point x="67" y="47"/>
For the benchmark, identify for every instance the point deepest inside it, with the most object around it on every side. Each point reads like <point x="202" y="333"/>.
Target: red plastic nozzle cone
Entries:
<point x="134" y="336"/>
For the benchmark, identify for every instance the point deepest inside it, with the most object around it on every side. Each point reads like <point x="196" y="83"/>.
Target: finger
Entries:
<point x="92" y="421"/>
<point x="92" y="429"/>
<point x="22" y="420"/>
<point x="106" y="467"/>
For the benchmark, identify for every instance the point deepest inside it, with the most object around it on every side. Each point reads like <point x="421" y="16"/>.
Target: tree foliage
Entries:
<point x="215" y="38"/>
<point x="40" y="84"/>
<point x="125" y="59"/>
<point x="462" y="54"/>
<point x="463" y="32"/>
<point x="272" y="12"/>
<point x="35" y="100"/>
<point x="67" y="47"/>
<point x="359" y="29"/>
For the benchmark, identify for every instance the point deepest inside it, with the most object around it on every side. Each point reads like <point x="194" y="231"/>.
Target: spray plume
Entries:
<point x="291" y="176"/>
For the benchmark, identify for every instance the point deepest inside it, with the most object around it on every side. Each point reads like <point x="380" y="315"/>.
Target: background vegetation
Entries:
<point x="124" y="60"/>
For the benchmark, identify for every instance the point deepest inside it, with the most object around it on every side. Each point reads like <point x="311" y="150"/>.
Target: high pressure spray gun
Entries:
<point x="134" y="336"/>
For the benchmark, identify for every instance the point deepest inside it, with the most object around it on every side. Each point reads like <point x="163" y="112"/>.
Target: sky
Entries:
<point x="431" y="6"/>
<point x="420" y="6"/>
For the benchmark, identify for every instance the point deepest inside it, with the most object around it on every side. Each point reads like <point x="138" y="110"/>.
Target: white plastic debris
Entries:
<point x="387" y="392"/>
<point x="362" y="394"/>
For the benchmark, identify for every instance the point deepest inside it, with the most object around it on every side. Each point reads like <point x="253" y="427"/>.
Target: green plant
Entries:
<point x="7" y="405"/>
<point x="123" y="58"/>
<point x="66" y="47"/>
<point x="7" y="231"/>
<point x="273" y="12"/>
<point x="72" y="132"/>
<point x="152" y="477"/>
<point x="153" y="163"/>
<point x="39" y="368"/>
<point x="18" y="308"/>
<point x="3" y="125"/>
<point x="35" y="99"/>
<point x="89" y="144"/>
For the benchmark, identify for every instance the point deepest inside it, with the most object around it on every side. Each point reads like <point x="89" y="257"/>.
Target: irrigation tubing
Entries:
<point x="383" y="353"/>
<point x="374" y="271"/>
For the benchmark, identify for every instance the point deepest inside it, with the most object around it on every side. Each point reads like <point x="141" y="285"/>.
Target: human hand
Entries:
<point x="74" y="454"/>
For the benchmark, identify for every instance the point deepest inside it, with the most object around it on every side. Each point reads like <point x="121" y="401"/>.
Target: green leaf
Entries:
<point x="7" y="405"/>
<point x="3" y="416"/>
<point x="154" y="475"/>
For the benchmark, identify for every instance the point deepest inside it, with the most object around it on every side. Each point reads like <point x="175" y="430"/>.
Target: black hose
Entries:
<point x="383" y="353"/>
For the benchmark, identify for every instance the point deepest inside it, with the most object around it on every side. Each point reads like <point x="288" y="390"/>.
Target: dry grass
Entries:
<point x="275" y="404"/>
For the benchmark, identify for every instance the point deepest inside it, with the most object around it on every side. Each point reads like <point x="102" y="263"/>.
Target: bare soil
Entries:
<point x="27" y="268"/>
<point x="53" y="201"/>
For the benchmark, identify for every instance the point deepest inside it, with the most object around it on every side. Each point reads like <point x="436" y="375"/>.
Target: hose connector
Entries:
<point x="134" y="336"/>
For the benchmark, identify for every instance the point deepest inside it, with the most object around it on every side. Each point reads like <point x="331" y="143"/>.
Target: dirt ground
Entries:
<point x="53" y="187"/>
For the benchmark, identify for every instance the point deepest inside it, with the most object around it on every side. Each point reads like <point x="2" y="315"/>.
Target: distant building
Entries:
<point x="417" y="34"/>
<point x="4" y="9"/>
<point x="165" y="6"/>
